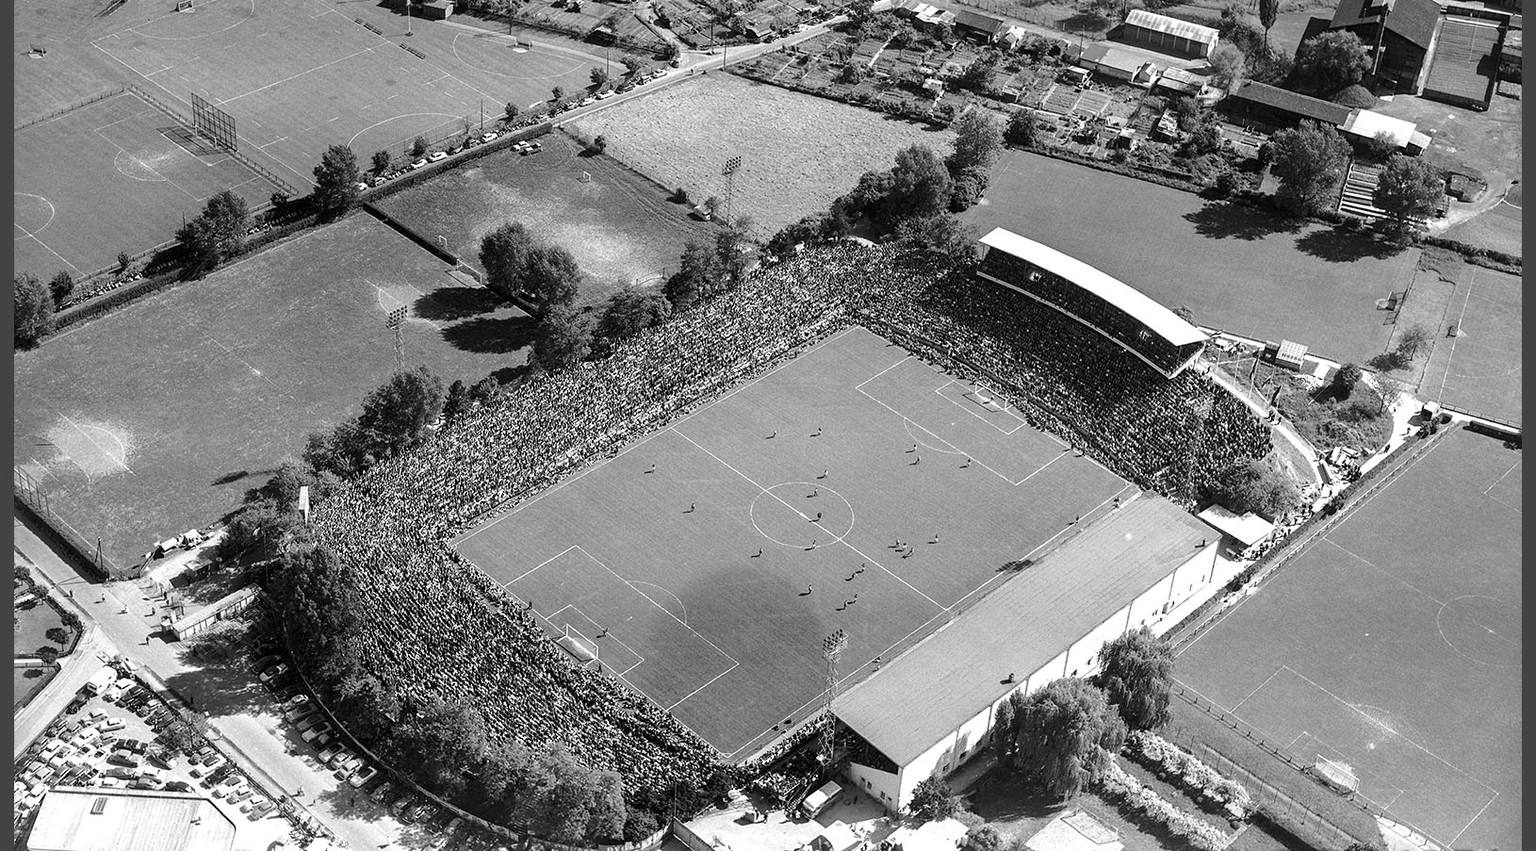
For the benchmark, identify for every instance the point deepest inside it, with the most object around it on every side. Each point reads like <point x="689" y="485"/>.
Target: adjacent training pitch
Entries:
<point x="707" y="562"/>
<point x="300" y="75"/>
<point x="117" y="175"/>
<point x="616" y="224"/>
<point x="1393" y="644"/>
<point x="157" y="418"/>
<point x="798" y="152"/>
<point x="1479" y="370"/>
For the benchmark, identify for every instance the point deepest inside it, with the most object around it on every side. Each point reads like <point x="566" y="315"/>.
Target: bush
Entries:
<point x="57" y="634"/>
<point x="933" y="800"/>
<point x="47" y="654"/>
<point x="983" y="838"/>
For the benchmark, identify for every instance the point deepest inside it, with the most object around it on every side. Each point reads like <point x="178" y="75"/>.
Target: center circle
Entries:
<point x="786" y="514"/>
<point x="1482" y="629"/>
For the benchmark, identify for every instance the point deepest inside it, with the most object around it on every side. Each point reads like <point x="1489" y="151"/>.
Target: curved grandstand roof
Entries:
<point x="1156" y="317"/>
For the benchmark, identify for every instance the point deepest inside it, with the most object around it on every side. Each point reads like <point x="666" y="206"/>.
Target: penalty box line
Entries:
<point x="972" y="395"/>
<point x="593" y="641"/>
<point x="972" y="458"/>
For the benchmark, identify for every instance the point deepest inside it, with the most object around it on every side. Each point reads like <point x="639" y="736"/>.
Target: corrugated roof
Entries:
<point x="1413" y="20"/>
<point x="1171" y="26"/>
<point x="1368" y="123"/>
<point x="1332" y="114"/>
<point x="985" y="23"/>
<point x="131" y="820"/>
<point x="928" y="692"/>
<point x="1156" y="317"/>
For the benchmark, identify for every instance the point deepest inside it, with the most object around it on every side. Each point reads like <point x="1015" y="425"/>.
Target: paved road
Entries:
<point x="118" y="616"/>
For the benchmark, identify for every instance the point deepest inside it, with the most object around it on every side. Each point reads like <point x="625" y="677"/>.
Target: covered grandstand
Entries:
<point x="1114" y="309"/>
<point x="1465" y="63"/>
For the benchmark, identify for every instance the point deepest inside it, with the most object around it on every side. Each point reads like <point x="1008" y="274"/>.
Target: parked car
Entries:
<point x="363" y="776"/>
<point x="402" y="807"/>
<point x="418" y="164"/>
<point x="300" y="712"/>
<point x="312" y="733"/>
<point x="382" y="792"/>
<point x="153" y="784"/>
<point x="112" y="783"/>
<point x="437" y="156"/>
<point x="330" y="751"/>
<point x="587" y="101"/>
<point x="122" y="757"/>
<point x="210" y="764"/>
<point x="274" y="672"/>
<point x="309" y="721"/>
<point x="76" y="704"/>
<point x="179" y="786"/>
<point x="266" y="662"/>
<point x="261" y="808"/>
<point x="123" y="771"/>
<point x="348" y="764"/>
<point x="487" y="136"/>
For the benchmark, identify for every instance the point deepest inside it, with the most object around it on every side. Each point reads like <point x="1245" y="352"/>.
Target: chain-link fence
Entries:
<point x="31" y="494"/>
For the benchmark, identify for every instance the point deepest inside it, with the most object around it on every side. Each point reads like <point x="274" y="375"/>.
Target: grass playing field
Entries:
<point x="798" y="152"/>
<point x="117" y="175"/>
<point x="618" y="226"/>
<point x="1480" y="369"/>
<point x="1393" y="644"/>
<point x="1238" y="269"/>
<point x="708" y="561"/>
<point x="300" y="75"/>
<point x="157" y="418"/>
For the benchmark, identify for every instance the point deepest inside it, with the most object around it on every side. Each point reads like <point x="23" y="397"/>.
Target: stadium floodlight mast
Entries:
<point x="394" y="322"/>
<point x="731" y="167"/>
<point x="832" y="648"/>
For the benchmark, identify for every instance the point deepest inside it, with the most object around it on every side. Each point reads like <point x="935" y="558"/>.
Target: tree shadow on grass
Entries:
<point x="453" y="303"/>
<point x="1335" y="247"/>
<point x="1090" y="20"/>
<point x="231" y="477"/>
<point x="1230" y="220"/>
<point x="491" y="335"/>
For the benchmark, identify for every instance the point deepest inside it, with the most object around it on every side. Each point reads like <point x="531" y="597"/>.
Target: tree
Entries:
<point x="600" y="143"/>
<point x="336" y="179"/>
<point x="33" y="318"/>
<point x="1344" y="380"/>
<point x="967" y="190"/>
<point x="1064" y="735"/>
<point x="633" y="63"/>
<point x="942" y="233"/>
<point x="216" y="234"/>
<point x="696" y="277"/>
<point x="1136" y="674"/>
<point x="983" y="837"/>
<point x="920" y="186"/>
<point x="1309" y="160"/>
<point x="1269" y="10"/>
<point x="56" y="634"/>
<point x="569" y="802"/>
<point x="396" y="414"/>
<point x="903" y="36"/>
<point x="933" y="800"/>
<point x="1255" y="487"/>
<point x="599" y="77"/>
<point x="977" y="76"/>
<point x="504" y="256"/>
<point x="48" y="654"/>
<point x="551" y="277"/>
<point x="258" y="525"/>
<point x="556" y="94"/>
<point x="1205" y="139"/>
<point x="733" y="248"/>
<point x="381" y="161"/>
<point x="1413" y="341"/>
<point x="1332" y="60"/>
<point x="419" y="147"/>
<point x="1408" y="188"/>
<point x="61" y="286"/>
<point x="1002" y="728"/>
<point x="1228" y="64"/>
<point x="443" y="743"/>
<point x="1023" y="131"/>
<point x="978" y="142"/>
<point x="632" y="310"/>
<point x="561" y="340"/>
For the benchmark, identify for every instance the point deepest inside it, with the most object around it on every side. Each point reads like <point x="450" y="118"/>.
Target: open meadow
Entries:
<point x="798" y="152"/>
<point x="1392" y="643"/>
<point x="722" y="549"/>
<point x="157" y="418"/>
<point x="619" y="226"/>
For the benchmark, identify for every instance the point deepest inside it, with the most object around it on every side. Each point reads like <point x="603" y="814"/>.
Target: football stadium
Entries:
<point x="866" y="477"/>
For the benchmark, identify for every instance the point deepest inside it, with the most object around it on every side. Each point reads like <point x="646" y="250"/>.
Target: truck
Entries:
<point x="819" y="800"/>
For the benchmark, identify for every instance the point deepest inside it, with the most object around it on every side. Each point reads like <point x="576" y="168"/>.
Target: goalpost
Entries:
<point x="988" y="397"/>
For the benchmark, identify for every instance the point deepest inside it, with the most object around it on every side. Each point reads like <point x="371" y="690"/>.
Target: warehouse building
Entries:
<point x="1167" y="35"/>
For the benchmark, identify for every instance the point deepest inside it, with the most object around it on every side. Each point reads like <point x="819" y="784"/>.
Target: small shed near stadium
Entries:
<point x="1168" y="35"/>
<point x="930" y="710"/>
<point x="1246" y="529"/>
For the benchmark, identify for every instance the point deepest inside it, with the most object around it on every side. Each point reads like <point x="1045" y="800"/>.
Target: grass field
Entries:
<point x="1480" y="370"/>
<point x="299" y="75"/>
<point x="1239" y="269"/>
<point x="32" y="626"/>
<point x="117" y="175"/>
<point x="618" y="226"/>
<point x="1379" y="643"/>
<point x="1499" y="228"/>
<point x="798" y="152"/>
<point x="667" y="570"/>
<point x="157" y="418"/>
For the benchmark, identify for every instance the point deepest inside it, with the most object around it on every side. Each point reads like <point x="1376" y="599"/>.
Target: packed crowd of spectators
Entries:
<point x="442" y="631"/>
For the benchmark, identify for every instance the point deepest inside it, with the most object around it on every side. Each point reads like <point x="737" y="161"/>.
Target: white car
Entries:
<point x="360" y="186"/>
<point x="418" y="164"/>
<point x="363" y="776"/>
<point x="604" y="95"/>
<point x="487" y="137"/>
<point x="658" y="73"/>
<point x="437" y="156"/>
<point x="587" y="101"/>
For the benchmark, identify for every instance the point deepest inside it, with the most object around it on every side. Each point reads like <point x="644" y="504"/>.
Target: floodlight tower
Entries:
<point x="731" y="165"/>
<point x="394" y="322"/>
<point x="832" y="648"/>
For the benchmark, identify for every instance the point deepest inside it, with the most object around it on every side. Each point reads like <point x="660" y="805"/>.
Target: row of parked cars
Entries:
<point x="300" y="710"/>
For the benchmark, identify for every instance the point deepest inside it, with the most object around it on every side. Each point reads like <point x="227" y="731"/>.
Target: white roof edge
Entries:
<point x="1165" y="23"/>
<point x="1124" y="296"/>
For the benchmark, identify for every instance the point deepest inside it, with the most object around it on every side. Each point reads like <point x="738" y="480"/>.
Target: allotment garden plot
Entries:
<point x="704" y="565"/>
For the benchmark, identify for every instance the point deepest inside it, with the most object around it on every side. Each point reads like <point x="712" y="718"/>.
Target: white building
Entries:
<point x="931" y="709"/>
